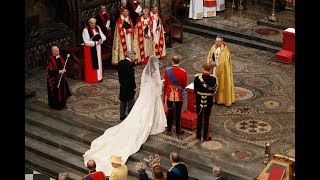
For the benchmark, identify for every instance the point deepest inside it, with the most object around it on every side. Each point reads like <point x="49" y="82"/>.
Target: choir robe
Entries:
<point x="143" y="46"/>
<point x="134" y="9"/>
<point x="57" y="97"/>
<point x="196" y="9"/>
<point x="92" y="55"/>
<point x="159" y="44"/>
<point x="209" y="8"/>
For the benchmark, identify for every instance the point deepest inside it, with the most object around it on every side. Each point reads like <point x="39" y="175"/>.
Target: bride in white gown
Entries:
<point x="147" y="117"/>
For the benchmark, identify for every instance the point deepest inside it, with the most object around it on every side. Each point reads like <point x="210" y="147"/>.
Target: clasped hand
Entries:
<point x="62" y="71"/>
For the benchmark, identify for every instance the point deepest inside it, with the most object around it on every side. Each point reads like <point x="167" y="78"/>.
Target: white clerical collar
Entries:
<point x="128" y="59"/>
<point x="57" y="57"/>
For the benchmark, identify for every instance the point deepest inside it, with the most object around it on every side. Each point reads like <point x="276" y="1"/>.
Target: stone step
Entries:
<point x="49" y="167"/>
<point x="188" y="23"/>
<point x="252" y="42"/>
<point x="56" y="139"/>
<point x="71" y="118"/>
<point x="196" y="160"/>
<point x="58" y="126"/>
<point x="193" y="172"/>
<point x="53" y="169"/>
<point x="55" y="154"/>
<point x="151" y="145"/>
<point x="59" y="156"/>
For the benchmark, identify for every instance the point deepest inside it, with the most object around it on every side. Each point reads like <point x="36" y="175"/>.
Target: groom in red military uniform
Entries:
<point x="175" y="81"/>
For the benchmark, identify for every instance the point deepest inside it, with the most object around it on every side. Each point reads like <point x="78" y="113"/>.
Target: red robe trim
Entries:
<point x="141" y="34"/>
<point x="53" y="81"/>
<point x="158" y="47"/>
<point x="104" y="22"/>
<point x="122" y="35"/>
<point x="210" y="3"/>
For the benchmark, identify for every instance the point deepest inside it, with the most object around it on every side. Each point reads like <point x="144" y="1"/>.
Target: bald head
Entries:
<point x="123" y="3"/>
<point x="91" y="165"/>
<point x="219" y="41"/>
<point x="92" y="22"/>
<point x="55" y="50"/>
<point x="174" y="157"/>
<point x="217" y="171"/>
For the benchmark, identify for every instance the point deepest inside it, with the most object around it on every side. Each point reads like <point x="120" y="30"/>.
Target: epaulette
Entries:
<point x="182" y="69"/>
<point x="198" y="74"/>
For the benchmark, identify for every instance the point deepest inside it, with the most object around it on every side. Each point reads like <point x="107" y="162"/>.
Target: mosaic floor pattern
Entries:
<point x="263" y="112"/>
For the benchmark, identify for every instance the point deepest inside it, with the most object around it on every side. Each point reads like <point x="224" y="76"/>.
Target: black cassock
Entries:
<point x="57" y="97"/>
<point x="126" y="80"/>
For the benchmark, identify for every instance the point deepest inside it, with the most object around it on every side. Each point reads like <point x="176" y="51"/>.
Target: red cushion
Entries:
<point x="188" y="119"/>
<point x="285" y="56"/>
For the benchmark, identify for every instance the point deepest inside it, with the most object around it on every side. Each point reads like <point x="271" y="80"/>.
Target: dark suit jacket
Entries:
<point x="173" y="176"/>
<point x="211" y="83"/>
<point x="126" y="80"/>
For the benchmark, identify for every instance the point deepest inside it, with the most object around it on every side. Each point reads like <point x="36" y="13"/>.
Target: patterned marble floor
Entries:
<point x="263" y="112"/>
<point x="31" y="174"/>
<point x="245" y="22"/>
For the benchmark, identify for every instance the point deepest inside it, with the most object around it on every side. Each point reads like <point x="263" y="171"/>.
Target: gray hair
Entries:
<point x="92" y="19"/>
<point x="217" y="171"/>
<point x="219" y="37"/>
<point x="131" y="53"/>
<point x="64" y="176"/>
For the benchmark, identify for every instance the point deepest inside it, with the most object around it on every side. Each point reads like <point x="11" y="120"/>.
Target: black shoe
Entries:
<point x="199" y="138"/>
<point x="122" y="118"/>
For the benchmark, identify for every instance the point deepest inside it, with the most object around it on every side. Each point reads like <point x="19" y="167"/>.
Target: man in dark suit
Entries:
<point x="127" y="84"/>
<point x="93" y="174"/>
<point x="179" y="170"/>
<point x="205" y="86"/>
<point x="175" y="81"/>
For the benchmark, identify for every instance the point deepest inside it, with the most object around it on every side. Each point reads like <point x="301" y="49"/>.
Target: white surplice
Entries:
<point x="196" y="9"/>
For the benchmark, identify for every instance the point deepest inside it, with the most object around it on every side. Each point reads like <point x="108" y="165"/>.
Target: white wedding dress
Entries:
<point x="147" y="117"/>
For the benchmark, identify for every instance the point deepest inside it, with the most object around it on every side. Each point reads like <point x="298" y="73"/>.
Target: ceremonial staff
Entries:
<point x="68" y="55"/>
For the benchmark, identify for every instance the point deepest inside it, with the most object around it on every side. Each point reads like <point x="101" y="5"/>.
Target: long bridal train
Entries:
<point x="147" y="117"/>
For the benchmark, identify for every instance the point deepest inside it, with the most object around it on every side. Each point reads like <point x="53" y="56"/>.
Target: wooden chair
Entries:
<point x="181" y="8"/>
<point x="173" y="29"/>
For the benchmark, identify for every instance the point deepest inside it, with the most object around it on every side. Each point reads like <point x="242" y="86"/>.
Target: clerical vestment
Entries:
<point x="123" y="39"/>
<point x="209" y="8"/>
<point x="92" y="54"/>
<point x="158" y="35"/>
<point x="225" y="93"/>
<point x="143" y="43"/>
<point x="196" y="9"/>
<point x="221" y="5"/>
<point x="57" y="96"/>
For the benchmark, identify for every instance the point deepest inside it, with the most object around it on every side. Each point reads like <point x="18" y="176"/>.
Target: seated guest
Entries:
<point x="121" y="171"/>
<point x="64" y="176"/>
<point x="157" y="172"/>
<point x="93" y="174"/>
<point x="141" y="168"/>
<point x="217" y="173"/>
<point x="179" y="170"/>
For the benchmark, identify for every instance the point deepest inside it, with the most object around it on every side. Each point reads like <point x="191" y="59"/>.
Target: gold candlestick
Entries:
<point x="233" y="4"/>
<point x="267" y="152"/>
<point x="273" y="18"/>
